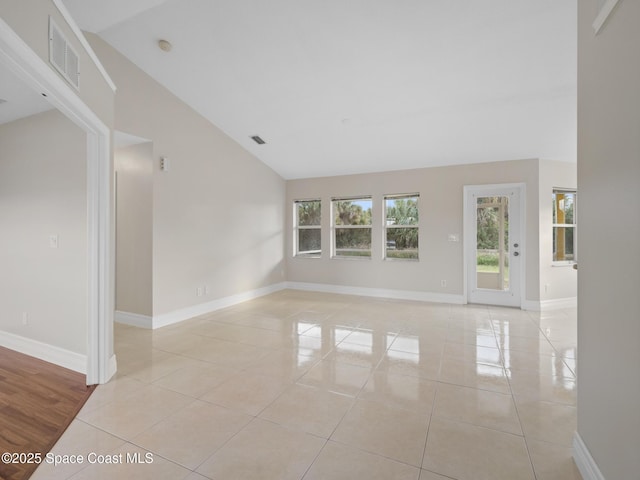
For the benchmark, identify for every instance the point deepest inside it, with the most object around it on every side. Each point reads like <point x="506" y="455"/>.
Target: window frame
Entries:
<point x="297" y="228"/>
<point x="573" y="226"/>
<point x="386" y="226"/>
<point x="335" y="228"/>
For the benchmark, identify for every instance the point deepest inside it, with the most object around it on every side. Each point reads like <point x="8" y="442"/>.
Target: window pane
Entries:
<point x="308" y="213"/>
<point x="492" y="243"/>
<point x="353" y="242"/>
<point x="309" y="242"/>
<point x="402" y="211"/>
<point x="563" y="207"/>
<point x="563" y="244"/>
<point x="402" y="243"/>
<point x="352" y="212"/>
<point x="564" y="213"/>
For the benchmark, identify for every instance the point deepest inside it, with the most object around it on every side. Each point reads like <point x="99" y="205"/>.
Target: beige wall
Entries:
<point x="441" y="213"/>
<point x="218" y="213"/>
<point x="609" y="255"/>
<point x="560" y="281"/>
<point x="134" y="228"/>
<point x="30" y="20"/>
<point x="43" y="193"/>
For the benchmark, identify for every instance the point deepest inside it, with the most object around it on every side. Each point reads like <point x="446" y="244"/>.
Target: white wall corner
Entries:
<point x="209" y="307"/>
<point x="134" y="319"/>
<point x="584" y="461"/>
<point x="378" y="292"/>
<point x="49" y="353"/>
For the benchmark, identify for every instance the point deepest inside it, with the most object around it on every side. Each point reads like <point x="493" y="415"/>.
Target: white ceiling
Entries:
<point x="337" y="87"/>
<point x="19" y="99"/>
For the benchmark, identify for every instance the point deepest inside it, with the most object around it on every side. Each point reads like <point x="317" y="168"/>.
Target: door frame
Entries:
<point x="469" y="242"/>
<point x="18" y="57"/>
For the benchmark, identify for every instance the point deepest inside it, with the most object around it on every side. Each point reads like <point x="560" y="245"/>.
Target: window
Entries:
<point x="401" y="226"/>
<point x="308" y="231"/>
<point x="564" y="226"/>
<point x="352" y="227"/>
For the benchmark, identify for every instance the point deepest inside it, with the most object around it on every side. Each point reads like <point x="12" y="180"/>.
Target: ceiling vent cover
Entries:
<point x="62" y="55"/>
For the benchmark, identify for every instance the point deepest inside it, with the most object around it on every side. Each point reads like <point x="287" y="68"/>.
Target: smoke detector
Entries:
<point x="165" y="45"/>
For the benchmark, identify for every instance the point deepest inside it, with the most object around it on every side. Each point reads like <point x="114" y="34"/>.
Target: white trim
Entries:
<point x="44" y="351"/>
<point x="18" y="57"/>
<point x="532" y="305"/>
<point x="584" y="461"/>
<point x="603" y="15"/>
<point x="378" y="292"/>
<point x="554" y="304"/>
<point x="83" y="41"/>
<point x="134" y="319"/>
<point x="208" y="307"/>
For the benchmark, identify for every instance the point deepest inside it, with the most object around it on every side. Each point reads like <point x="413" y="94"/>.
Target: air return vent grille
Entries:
<point x="62" y="56"/>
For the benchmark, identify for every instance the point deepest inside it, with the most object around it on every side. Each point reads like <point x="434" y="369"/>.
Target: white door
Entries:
<point x="494" y="250"/>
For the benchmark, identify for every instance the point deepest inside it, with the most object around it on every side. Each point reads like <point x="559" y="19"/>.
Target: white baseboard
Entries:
<point x="554" y="304"/>
<point x="208" y="307"/>
<point x="378" y="292"/>
<point x="44" y="351"/>
<point x="134" y="319"/>
<point x="584" y="461"/>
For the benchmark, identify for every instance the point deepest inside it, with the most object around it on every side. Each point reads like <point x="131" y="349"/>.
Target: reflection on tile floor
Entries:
<point x="301" y="385"/>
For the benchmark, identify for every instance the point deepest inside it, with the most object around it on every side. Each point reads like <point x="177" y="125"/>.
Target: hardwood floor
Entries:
<point x="38" y="401"/>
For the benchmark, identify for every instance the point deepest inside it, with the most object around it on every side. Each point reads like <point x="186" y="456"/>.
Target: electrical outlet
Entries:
<point x="25" y="318"/>
<point x="546" y="287"/>
<point x="53" y="241"/>
<point x="198" y="291"/>
<point x="443" y="283"/>
<point x="206" y="290"/>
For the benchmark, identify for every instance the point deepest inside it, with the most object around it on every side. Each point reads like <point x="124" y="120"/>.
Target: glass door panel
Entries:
<point x="492" y="243"/>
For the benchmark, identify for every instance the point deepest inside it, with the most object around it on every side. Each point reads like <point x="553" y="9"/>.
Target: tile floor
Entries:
<point x="301" y="385"/>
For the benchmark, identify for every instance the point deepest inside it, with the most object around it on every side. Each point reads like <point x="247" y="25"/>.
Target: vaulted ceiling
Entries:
<point x="337" y="87"/>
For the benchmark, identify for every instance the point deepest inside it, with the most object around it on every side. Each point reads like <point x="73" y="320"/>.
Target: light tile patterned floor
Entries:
<point x="301" y="385"/>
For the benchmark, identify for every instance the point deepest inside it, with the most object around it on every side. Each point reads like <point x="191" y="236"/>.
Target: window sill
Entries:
<point x="563" y="264"/>
<point x="352" y="258"/>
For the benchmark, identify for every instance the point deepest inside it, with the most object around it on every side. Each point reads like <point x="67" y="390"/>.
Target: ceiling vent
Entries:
<point x="62" y="55"/>
<point x="258" y="140"/>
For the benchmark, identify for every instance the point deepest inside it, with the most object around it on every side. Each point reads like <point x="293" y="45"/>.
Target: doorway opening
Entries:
<point x="18" y="57"/>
